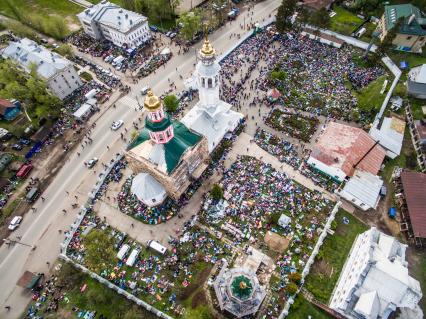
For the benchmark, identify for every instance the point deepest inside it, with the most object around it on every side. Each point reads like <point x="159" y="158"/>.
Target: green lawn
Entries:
<point x="302" y="309"/>
<point x="344" y="22"/>
<point x="96" y="297"/>
<point x="412" y="58"/>
<point x="369" y="98"/>
<point x="332" y="256"/>
<point x="416" y="108"/>
<point x="63" y="8"/>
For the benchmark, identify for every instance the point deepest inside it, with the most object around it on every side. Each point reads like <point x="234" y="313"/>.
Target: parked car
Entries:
<point x="145" y="90"/>
<point x="24" y="141"/>
<point x="15" y="222"/>
<point x="153" y="28"/>
<point x="91" y="162"/>
<point x="17" y="147"/>
<point x="116" y="125"/>
<point x="24" y="170"/>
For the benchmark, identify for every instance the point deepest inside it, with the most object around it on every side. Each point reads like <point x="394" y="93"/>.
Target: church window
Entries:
<point x="210" y="82"/>
<point x="203" y="81"/>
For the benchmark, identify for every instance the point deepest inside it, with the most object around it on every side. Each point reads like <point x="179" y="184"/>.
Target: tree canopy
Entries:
<point x="28" y="89"/>
<point x="217" y="192"/>
<point x="100" y="252"/>
<point x="171" y="103"/>
<point x="284" y="14"/>
<point x="191" y="24"/>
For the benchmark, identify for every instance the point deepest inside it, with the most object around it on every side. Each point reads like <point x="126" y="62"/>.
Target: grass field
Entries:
<point x="412" y="58"/>
<point x="302" y="309"/>
<point x="344" y="21"/>
<point x="332" y="256"/>
<point x="63" y="8"/>
<point x="96" y="297"/>
<point x="369" y="98"/>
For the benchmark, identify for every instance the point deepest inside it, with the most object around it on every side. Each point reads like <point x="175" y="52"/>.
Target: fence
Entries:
<point x="311" y="259"/>
<point x="74" y="227"/>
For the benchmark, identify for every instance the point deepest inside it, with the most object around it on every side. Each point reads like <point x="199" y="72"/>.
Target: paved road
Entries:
<point x="40" y="229"/>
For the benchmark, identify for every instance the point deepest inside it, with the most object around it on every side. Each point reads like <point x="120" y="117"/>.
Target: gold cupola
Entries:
<point x="207" y="50"/>
<point x="152" y="103"/>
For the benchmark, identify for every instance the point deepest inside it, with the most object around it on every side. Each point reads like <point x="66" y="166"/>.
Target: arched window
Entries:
<point x="210" y="82"/>
<point x="203" y="82"/>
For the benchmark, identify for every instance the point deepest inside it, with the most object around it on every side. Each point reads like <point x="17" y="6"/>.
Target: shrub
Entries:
<point x="291" y="288"/>
<point x="217" y="192"/>
<point x="171" y="103"/>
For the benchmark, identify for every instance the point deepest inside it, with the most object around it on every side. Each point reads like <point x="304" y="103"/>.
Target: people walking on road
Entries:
<point x="67" y="192"/>
<point x="43" y="199"/>
<point x="7" y="308"/>
<point x="34" y="209"/>
<point x="65" y="211"/>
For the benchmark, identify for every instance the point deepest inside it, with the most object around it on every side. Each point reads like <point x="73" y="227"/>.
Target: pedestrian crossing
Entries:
<point x="127" y="101"/>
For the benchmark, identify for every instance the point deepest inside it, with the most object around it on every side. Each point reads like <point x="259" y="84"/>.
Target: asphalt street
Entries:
<point x="41" y="228"/>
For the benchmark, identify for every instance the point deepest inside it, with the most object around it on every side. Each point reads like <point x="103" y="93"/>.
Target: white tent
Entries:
<point x="284" y="220"/>
<point x="165" y="51"/>
<point x="148" y="190"/>
<point x="83" y="111"/>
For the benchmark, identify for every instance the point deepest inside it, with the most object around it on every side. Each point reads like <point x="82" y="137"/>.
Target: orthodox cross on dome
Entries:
<point x="158" y="123"/>
<point x="207" y="52"/>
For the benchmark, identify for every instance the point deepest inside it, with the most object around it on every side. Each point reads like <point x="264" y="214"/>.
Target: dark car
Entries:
<point x="153" y="28"/>
<point x="17" y="147"/>
<point x="24" y="141"/>
<point x="6" y="137"/>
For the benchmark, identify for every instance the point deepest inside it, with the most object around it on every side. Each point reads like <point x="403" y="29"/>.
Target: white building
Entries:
<point x="390" y="135"/>
<point x="109" y="21"/>
<point x="416" y="83"/>
<point x="58" y="72"/>
<point x="363" y="190"/>
<point x="375" y="281"/>
<point x="211" y="116"/>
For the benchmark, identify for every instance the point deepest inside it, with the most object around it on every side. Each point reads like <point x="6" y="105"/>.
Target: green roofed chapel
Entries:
<point x="411" y="35"/>
<point x="166" y="156"/>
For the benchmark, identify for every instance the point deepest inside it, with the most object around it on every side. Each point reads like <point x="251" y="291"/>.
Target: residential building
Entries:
<point x="411" y="35"/>
<point x="416" y="82"/>
<point x="374" y="281"/>
<point x="341" y="149"/>
<point x="9" y="110"/>
<point x="211" y="116"/>
<point x="124" y="28"/>
<point x="411" y="202"/>
<point x="58" y="72"/>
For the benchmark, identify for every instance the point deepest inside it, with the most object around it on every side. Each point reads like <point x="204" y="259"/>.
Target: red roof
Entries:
<point x="421" y="128"/>
<point x="414" y="184"/>
<point x="4" y="104"/>
<point x="342" y="146"/>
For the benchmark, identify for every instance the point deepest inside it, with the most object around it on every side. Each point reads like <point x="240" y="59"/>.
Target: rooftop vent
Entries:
<point x="131" y="22"/>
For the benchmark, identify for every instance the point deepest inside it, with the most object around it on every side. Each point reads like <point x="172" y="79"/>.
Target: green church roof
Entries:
<point x="241" y="287"/>
<point x="174" y="149"/>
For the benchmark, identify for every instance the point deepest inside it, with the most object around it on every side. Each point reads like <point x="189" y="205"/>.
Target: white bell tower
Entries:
<point x="208" y="77"/>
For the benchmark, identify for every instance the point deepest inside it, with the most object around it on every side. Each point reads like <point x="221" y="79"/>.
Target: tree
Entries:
<point x="320" y="18"/>
<point x="284" y="15"/>
<point x="174" y="4"/>
<point x="291" y="288"/>
<point x="295" y="277"/>
<point x="191" y="24"/>
<point x="100" y="253"/>
<point x="65" y="50"/>
<point x="171" y="103"/>
<point x="217" y="192"/>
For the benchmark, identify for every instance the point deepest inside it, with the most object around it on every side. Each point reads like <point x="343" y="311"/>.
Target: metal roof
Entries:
<point x="390" y="135"/>
<point x="27" y="52"/>
<point x="414" y="184"/>
<point x="342" y="146"/>
<point x="413" y="19"/>
<point x="363" y="186"/>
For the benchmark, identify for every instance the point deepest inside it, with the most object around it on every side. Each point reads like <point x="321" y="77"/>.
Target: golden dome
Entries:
<point x="152" y="102"/>
<point x="207" y="49"/>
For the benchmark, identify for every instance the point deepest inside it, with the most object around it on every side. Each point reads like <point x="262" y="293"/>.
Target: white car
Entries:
<point x="145" y="90"/>
<point x="15" y="222"/>
<point x="116" y="125"/>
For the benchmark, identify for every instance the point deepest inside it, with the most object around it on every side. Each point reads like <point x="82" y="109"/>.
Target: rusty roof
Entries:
<point x="421" y="128"/>
<point x="342" y="146"/>
<point x="414" y="184"/>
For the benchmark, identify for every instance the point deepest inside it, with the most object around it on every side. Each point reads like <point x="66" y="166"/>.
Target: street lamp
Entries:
<point x="11" y="241"/>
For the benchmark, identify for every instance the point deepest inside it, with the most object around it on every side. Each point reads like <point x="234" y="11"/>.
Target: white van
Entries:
<point x="123" y="251"/>
<point x="157" y="246"/>
<point x="132" y="258"/>
<point x="145" y="90"/>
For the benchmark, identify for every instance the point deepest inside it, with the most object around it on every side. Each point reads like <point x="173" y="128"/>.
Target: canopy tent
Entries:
<point x="273" y="95"/>
<point x="148" y="190"/>
<point x="83" y="111"/>
<point x="165" y="51"/>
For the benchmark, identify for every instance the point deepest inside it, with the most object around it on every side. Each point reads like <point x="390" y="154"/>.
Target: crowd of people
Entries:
<point x="255" y="194"/>
<point x="77" y="98"/>
<point x="311" y="76"/>
<point x="293" y="123"/>
<point x="284" y="150"/>
<point x="114" y="175"/>
<point x="153" y="63"/>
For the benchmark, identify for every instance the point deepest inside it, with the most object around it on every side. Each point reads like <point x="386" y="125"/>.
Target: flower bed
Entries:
<point x="296" y="125"/>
